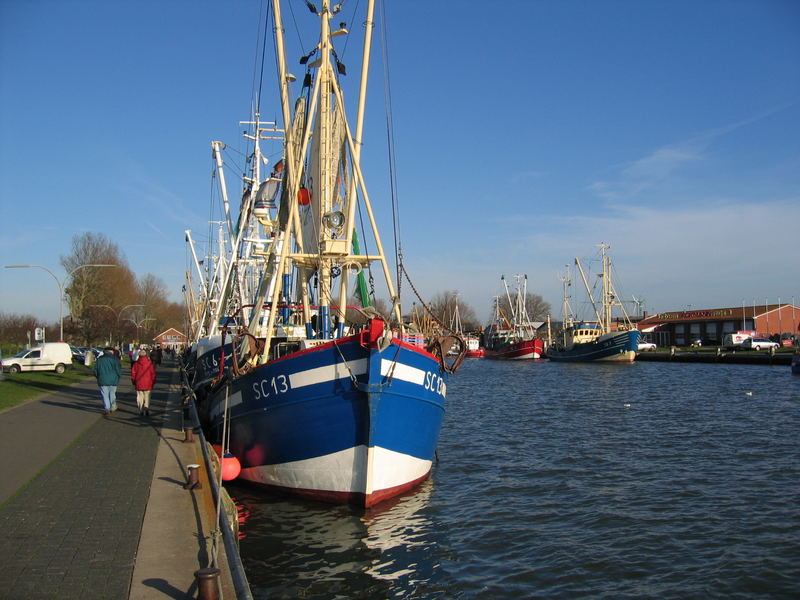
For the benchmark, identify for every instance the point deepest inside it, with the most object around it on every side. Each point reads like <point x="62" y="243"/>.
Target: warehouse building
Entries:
<point x="684" y="327"/>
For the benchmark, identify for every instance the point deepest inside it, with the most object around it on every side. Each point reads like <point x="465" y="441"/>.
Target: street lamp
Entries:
<point x="140" y="323"/>
<point x="117" y="313"/>
<point x="60" y="287"/>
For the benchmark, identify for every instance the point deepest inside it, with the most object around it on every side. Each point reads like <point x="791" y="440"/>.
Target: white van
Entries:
<point x="734" y="341"/>
<point x="51" y="356"/>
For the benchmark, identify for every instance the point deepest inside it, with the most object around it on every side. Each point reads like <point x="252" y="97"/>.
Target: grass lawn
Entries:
<point x="20" y="387"/>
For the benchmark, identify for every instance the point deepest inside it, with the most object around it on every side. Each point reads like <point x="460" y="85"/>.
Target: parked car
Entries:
<point x="646" y="346"/>
<point x="77" y="353"/>
<point x="759" y="343"/>
<point x="52" y="356"/>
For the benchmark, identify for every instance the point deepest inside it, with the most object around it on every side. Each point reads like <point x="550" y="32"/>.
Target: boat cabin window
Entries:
<point x="283" y="348"/>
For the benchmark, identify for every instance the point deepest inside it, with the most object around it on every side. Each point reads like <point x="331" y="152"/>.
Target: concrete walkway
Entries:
<point x="94" y="507"/>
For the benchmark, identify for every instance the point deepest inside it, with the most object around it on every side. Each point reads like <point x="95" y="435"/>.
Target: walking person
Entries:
<point x="143" y="376"/>
<point x="107" y="370"/>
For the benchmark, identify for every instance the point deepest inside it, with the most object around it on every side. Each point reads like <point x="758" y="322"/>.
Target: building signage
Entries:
<point x="685" y="315"/>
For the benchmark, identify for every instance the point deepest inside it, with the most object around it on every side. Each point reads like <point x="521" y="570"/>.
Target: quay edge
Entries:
<point x="741" y="358"/>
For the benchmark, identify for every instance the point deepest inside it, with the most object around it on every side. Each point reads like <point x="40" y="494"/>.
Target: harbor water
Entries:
<point x="559" y="480"/>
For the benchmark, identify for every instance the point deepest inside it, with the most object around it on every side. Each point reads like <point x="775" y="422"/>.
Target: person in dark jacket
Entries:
<point x="143" y="376"/>
<point x="155" y="356"/>
<point x="108" y="371"/>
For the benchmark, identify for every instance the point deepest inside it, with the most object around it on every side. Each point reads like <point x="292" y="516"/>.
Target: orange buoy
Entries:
<point x="303" y="197"/>
<point x="230" y="467"/>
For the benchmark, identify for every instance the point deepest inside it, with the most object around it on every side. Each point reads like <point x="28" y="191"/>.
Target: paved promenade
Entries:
<point x="93" y="507"/>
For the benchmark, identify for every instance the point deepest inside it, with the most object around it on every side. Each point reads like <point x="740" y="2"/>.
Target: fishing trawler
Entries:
<point x="513" y="337"/>
<point x="322" y="397"/>
<point x="601" y="340"/>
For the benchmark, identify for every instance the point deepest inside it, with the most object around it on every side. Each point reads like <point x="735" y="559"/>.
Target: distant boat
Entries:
<point x="472" y="343"/>
<point x="586" y="341"/>
<point x="512" y="337"/>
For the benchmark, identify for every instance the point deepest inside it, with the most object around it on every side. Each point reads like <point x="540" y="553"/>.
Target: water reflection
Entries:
<point x="304" y="549"/>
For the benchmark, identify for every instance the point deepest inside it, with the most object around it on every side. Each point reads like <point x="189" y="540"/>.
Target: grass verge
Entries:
<point x="21" y="387"/>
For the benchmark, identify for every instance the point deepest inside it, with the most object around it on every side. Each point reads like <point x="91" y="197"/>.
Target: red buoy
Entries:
<point x="230" y="467"/>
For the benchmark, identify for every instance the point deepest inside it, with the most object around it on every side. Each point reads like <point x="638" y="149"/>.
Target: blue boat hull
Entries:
<point x="341" y="422"/>
<point x="207" y="365"/>
<point x="620" y="346"/>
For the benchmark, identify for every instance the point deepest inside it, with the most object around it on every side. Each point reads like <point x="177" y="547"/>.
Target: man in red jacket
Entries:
<point x="143" y="376"/>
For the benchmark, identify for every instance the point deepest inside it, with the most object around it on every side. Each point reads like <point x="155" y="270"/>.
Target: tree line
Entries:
<point x="106" y="305"/>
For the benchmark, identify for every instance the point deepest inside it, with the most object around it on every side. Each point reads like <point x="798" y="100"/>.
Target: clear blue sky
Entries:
<point x="526" y="132"/>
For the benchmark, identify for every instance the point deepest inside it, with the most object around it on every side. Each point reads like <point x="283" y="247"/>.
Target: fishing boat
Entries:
<point x="513" y="337"/>
<point x="602" y="340"/>
<point x="323" y="398"/>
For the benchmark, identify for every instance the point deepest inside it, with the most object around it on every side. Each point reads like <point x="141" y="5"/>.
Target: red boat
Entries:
<point x="514" y="350"/>
<point x="513" y="338"/>
<point x="474" y="349"/>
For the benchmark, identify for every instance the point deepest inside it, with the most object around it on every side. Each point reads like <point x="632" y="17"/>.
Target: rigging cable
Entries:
<point x="259" y="63"/>
<point x="398" y="249"/>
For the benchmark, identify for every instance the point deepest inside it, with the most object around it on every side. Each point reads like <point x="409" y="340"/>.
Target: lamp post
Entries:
<point x="117" y="313"/>
<point x="60" y="284"/>
<point x="139" y="324"/>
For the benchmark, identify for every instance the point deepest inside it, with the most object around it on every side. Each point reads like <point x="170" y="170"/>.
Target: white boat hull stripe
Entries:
<point x="328" y="373"/>
<point x="403" y="372"/>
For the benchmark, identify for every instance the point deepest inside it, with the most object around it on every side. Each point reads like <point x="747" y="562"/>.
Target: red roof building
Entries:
<point x="171" y="338"/>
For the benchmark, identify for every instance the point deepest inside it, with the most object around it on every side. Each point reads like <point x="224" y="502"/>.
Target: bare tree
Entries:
<point x="90" y="288"/>
<point x="449" y="308"/>
<point x="158" y="313"/>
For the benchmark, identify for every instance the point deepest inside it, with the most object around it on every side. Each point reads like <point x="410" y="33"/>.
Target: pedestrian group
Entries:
<point x="107" y="370"/>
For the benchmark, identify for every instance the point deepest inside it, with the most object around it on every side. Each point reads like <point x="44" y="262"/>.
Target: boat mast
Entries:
<point x="455" y="321"/>
<point x="566" y="309"/>
<point x="609" y="291"/>
<point x="351" y="191"/>
<point x="607" y="298"/>
<point x="588" y="291"/>
<point x="223" y="188"/>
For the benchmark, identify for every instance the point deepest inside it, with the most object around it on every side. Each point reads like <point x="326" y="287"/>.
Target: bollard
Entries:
<point x="189" y="435"/>
<point x="207" y="584"/>
<point x="193" y="483"/>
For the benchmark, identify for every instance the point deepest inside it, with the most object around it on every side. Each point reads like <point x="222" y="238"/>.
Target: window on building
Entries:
<point x="712" y="332"/>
